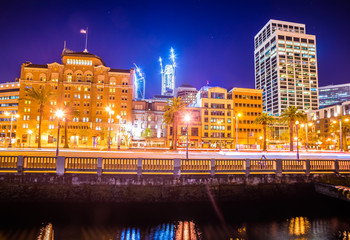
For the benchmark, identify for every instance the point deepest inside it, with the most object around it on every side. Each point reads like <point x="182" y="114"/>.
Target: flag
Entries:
<point x="83" y="31"/>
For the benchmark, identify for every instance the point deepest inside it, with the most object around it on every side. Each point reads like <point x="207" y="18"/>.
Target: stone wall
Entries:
<point x="153" y="188"/>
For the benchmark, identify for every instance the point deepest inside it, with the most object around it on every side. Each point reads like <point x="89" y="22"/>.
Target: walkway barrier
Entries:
<point x="176" y="167"/>
<point x="195" y="166"/>
<point x="294" y="166"/>
<point x="157" y="166"/>
<point x="80" y="165"/>
<point x="262" y="166"/>
<point x="8" y="164"/>
<point x="230" y="166"/>
<point x="322" y="166"/>
<point x="39" y="164"/>
<point x="344" y="166"/>
<point x="119" y="166"/>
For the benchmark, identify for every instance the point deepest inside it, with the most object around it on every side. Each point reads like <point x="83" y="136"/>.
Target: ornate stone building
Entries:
<point x="84" y="82"/>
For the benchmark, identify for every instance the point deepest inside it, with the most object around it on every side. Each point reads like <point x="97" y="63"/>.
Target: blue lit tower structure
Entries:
<point x="168" y="75"/>
<point x="140" y="84"/>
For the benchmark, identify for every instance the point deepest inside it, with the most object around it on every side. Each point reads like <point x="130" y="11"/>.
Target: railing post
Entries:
<point x="99" y="166"/>
<point x="177" y="167"/>
<point x="279" y="167"/>
<point x="212" y="169"/>
<point x="336" y="166"/>
<point x="20" y="164"/>
<point x="308" y="166"/>
<point x="60" y="165"/>
<point x="139" y="166"/>
<point x="247" y="167"/>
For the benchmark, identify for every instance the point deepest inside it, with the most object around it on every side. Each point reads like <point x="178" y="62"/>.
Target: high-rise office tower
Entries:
<point x="168" y="75"/>
<point x="286" y="67"/>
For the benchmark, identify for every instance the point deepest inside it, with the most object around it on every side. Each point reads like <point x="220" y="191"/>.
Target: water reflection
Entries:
<point x="46" y="233"/>
<point x="297" y="228"/>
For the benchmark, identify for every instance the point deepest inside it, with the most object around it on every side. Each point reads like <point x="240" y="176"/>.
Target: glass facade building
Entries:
<point x="334" y="94"/>
<point x="286" y="67"/>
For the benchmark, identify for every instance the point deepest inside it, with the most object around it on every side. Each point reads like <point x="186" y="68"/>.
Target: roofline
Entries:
<point x="336" y="85"/>
<point x="282" y="22"/>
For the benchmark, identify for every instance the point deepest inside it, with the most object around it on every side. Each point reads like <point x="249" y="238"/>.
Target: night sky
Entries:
<point x="213" y="40"/>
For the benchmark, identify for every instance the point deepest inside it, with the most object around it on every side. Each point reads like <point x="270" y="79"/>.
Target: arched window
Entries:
<point x="69" y="77"/>
<point x="79" y="77"/>
<point x="88" y="77"/>
<point x="29" y="76"/>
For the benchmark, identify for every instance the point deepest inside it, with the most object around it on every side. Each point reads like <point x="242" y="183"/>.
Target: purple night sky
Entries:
<point x="213" y="39"/>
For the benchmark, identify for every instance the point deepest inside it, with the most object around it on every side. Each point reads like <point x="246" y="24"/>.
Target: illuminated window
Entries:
<point x="69" y="77"/>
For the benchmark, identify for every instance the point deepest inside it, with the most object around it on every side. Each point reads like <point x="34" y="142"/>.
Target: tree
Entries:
<point x="335" y="127"/>
<point x="175" y="105"/>
<point x="40" y="96"/>
<point x="264" y="119"/>
<point x="69" y="113"/>
<point x="290" y="115"/>
<point x="147" y="134"/>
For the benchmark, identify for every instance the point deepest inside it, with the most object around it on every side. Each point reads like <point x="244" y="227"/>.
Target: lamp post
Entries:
<point x="118" y="117"/>
<point x="341" y="132"/>
<point x="187" y="119"/>
<point x="110" y="112"/>
<point x="220" y="121"/>
<point x="237" y="116"/>
<point x="30" y="134"/>
<point x="306" y="132"/>
<point x="297" y="125"/>
<point x="16" y="116"/>
<point x="59" y="115"/>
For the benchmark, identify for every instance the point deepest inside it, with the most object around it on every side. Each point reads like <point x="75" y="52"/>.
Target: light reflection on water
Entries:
<point x="321" y="220"/>
<point x="296" y="228"/>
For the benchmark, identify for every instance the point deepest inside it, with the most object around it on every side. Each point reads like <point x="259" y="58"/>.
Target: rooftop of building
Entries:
<point x="335" y="86"/>
<point x="68" y="52"/>
<point x="186" y="85"/>
<point x="280" y="22"/>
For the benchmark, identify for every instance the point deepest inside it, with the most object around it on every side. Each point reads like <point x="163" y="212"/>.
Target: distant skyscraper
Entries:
<point x="334" y="94"/>
<point x="186" y="92"/>
<point x="140" y="84"/>
<point x="286" y="67"/>
<point x="168" y="75"/>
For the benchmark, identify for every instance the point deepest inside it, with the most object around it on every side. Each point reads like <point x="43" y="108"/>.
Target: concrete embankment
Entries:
<point x="154" y="188"/>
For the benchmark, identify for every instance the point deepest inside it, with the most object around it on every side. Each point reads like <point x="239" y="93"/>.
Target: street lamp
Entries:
<point x="187" y="119"/>
<point x="30" y="134"/>
<point x="341" y="132"/>
<point x="306" y="130"/>
<point x="16" y="116"/>
<point x="110" y="111"/>
<point x="238" y="115"/>
<point x="220" y="121"/>
<point x="59" y="115"/>
<point x="118" y="117"/>
<point x="297" y="125"/>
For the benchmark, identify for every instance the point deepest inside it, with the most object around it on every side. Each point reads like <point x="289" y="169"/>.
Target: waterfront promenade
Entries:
<point x="167" y="154"/>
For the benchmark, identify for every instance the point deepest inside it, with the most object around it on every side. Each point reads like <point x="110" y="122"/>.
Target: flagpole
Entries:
<point x="86" y="40"/>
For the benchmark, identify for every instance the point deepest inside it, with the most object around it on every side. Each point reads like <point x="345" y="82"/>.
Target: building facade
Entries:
<point x="148" y="128"/>
<point x="286" y="67"/>
<point x="194" y="129"/>
<point x="219" y="110"/>
<point x="247" y="103"/>
<point x="334" y="94"/>
<point x="83" y="82"/>
<point x="9" y="95"/>
<point x="325" y="127"/>
<point x="187" y="93"/>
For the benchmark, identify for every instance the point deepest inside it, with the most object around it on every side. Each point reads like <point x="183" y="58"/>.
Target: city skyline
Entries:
<point x="220" y="52"/>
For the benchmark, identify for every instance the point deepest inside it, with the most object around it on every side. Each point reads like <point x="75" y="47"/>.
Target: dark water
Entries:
<point x="318" y="218"/>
